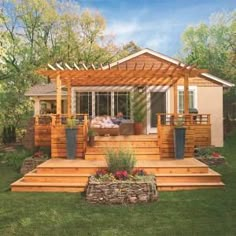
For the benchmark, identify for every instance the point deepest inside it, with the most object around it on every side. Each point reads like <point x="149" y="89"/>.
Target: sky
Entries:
<point x="155" y="24"/>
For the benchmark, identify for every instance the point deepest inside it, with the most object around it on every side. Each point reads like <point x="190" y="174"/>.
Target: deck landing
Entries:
<point x="62" y="175"/>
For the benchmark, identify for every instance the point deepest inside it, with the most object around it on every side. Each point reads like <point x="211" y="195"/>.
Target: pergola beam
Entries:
<point x="58" y="89"/>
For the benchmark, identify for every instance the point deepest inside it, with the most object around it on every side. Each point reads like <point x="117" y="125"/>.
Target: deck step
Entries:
<point x="209" y="177"/>
<point x="187" y="186"/>
<point x="136" y="144"/>
<point x="137" y="151"/>
<point x="94" y="157"/>
<point x="59" y="178"/>
<point x="22" y="186"/>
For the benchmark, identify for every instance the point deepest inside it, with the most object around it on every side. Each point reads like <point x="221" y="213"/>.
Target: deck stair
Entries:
<point x="145" y="147"/>
<point x="61" y="175"/>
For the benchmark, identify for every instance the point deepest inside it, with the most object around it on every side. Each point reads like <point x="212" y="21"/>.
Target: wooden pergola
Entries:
<point x="165" y="75"/>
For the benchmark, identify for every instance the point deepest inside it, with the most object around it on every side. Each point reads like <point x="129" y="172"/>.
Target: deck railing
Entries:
<point x="50" y="131"/>
<point x="198" y="132"/>
<point x="182" y="119"/>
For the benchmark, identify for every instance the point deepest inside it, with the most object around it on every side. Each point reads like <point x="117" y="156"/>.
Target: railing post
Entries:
<point x="53" y="120"/>
<point x="158" y="120"/>
<point x="36" y="121"/>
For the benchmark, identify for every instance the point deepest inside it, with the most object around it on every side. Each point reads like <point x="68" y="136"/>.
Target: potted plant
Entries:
<point x="139" y="111"/>
<point x="179" y="138"/>
<point x="91" y="137"/>
<point x="71" y="142"/>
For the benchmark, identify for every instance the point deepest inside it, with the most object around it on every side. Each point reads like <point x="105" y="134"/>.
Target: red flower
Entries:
<point x="100" y="173"/>
<point x="38" y="154"/>
<point x="121" y="175"/>
<point x="215" y="154"/>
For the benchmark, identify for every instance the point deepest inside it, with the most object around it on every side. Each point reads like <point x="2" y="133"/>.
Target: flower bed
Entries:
<point x="210" y="157"/>
<point x="121" y="192"/>
<point x="120" y="183"/>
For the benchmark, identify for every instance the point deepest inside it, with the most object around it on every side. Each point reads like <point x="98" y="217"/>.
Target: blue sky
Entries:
<point x="155" y="24"/>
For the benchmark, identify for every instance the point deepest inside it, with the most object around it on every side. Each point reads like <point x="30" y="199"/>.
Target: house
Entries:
<point x="172" y="89"/>
<point x="205" y="94"/>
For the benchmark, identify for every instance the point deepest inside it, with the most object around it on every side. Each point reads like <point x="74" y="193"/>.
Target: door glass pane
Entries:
<point x="84" y="103"/>
<point x="122" y="103"/>
<point x="103" y="103"/>
<point x="158" y="105"/>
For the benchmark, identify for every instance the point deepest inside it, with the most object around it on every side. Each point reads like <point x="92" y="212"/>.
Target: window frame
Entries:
<point x="191" y="89"/>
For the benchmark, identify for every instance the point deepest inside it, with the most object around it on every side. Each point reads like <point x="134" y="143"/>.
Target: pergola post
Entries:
<point x="58" y="89"/>
<point x="186" y="93"/>
<point x="175" y="99"/>
<point x="69" y="98"/>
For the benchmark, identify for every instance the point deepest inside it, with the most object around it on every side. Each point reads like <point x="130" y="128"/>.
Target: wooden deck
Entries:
<point x="62" y="175"/>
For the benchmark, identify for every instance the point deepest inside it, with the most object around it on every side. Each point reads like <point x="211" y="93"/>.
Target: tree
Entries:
<point x="38" y="32"/>
<point x="213" y="45"/>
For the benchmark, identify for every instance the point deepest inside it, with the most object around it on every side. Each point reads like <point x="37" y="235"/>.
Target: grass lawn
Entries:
<point x="199" y="212"/>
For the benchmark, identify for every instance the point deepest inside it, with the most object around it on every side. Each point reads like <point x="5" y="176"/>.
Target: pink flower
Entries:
<point x="121" y="175"/>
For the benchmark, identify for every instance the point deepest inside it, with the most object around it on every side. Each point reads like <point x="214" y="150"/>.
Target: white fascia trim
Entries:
<point x="217" y="79"/>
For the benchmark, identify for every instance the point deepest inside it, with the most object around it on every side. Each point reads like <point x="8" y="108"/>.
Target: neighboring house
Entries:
<point x="205" y="94"/>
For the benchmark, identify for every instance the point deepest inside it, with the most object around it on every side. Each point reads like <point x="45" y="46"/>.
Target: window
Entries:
<point x="84" y="103"/>
<point x="103" y="103"/>
<point x="122" y="103"/>
<point x="192" y="98"/>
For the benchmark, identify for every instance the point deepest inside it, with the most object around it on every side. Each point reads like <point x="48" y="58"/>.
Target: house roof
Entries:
<point x="172" y="60"/>
<point x="43" y="90"/>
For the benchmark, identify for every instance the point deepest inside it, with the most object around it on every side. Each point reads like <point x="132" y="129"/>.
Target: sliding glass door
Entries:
<point x="102" y="103"/>
<point x="122" y="104"/>
<point x="84" y="103"/>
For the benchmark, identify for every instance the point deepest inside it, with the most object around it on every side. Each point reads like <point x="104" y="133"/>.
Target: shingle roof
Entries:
<point x="43" y="90"/>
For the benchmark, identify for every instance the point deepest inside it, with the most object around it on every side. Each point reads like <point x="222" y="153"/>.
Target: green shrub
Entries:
<point x="120" y="159"/>
<point x="16" y="158"/>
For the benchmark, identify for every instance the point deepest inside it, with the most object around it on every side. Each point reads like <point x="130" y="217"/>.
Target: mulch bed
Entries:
<point x="212" y="161"/>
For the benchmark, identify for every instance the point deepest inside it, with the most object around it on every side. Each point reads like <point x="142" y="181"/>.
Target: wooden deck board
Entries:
<point x="60" y="162"/>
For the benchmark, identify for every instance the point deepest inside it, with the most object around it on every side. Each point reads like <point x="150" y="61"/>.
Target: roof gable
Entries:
<point x="132" y="59"/>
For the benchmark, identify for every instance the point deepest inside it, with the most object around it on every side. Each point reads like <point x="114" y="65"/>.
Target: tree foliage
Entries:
<point x="37" y="32"/>
<point x="213" y="45"/>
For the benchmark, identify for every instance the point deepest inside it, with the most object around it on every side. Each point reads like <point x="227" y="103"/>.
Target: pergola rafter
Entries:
<point x="144" y="75"/>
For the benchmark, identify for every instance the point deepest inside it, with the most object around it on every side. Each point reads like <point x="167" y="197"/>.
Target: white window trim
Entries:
<point x="191" y="88"/>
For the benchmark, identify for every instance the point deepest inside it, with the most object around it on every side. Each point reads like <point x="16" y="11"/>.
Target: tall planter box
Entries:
<point x="71" y="142"/>
<point x="179" y="142"/>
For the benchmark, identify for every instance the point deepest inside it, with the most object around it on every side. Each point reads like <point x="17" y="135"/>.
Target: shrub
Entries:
<point x="16" y="158"/>
<point x="121" y="159"/>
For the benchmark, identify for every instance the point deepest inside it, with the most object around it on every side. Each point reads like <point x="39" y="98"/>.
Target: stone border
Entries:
<point x="30" y="164"/>
<point x="121" y="192"/>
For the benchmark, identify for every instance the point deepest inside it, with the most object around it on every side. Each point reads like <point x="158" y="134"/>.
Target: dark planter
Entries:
<point x="138" y="128"/>
<point x="91" y="141"/>
<point x="179" y="142"/>
<point x="71" y="142"/>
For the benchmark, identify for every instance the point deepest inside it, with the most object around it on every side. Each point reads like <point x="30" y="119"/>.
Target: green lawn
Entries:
<point x="199" y="212"/>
